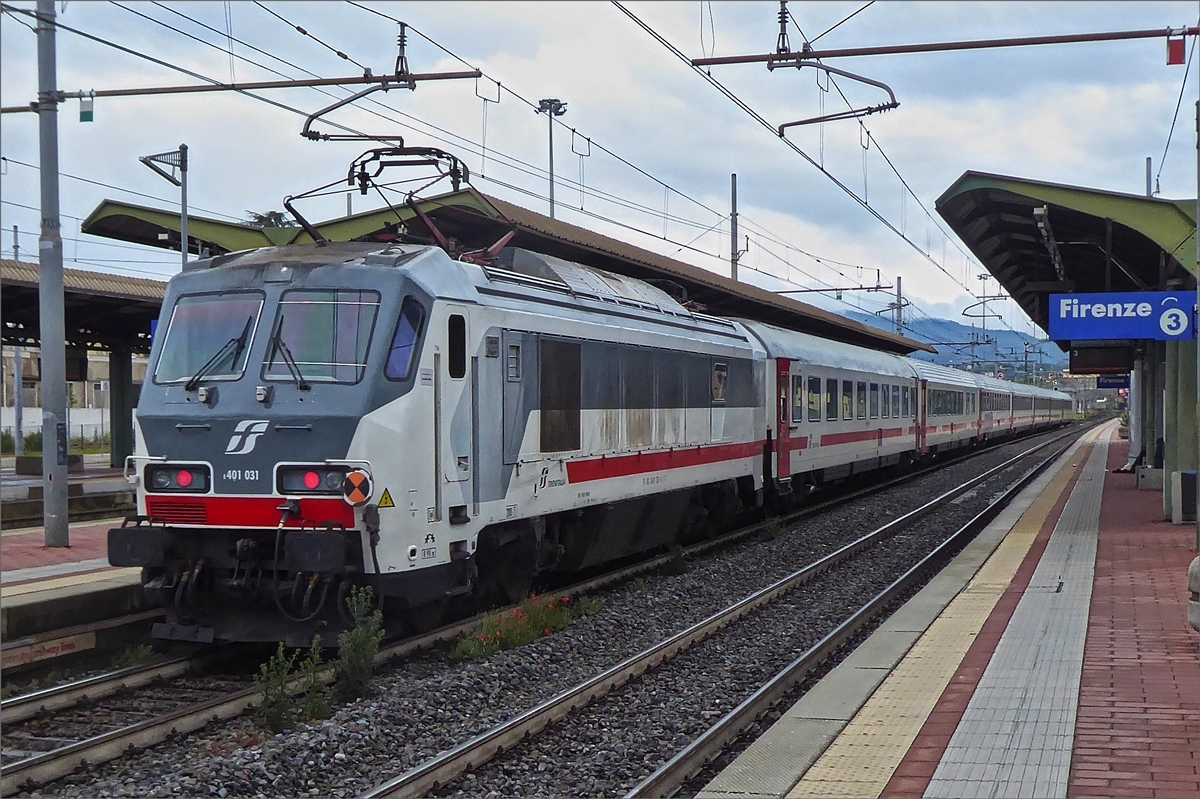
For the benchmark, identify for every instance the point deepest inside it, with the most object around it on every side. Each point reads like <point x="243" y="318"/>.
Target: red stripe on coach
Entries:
<point x="626" y="465"/>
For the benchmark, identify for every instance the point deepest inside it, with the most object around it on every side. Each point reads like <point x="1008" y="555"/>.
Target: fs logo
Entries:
<point x="544" y="480"/>
<point x="245" y="436"/>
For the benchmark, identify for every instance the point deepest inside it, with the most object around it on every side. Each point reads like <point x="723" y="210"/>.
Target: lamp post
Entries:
<point x="551" y="108"/>
<point x="175" y="158"/>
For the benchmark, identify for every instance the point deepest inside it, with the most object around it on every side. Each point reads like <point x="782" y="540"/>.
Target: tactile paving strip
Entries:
<point x="1016" y="735"/>
<point x="864" y="757"/>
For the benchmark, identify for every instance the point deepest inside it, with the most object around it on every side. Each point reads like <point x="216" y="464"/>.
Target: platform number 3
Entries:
<point x="1174" y="322"/>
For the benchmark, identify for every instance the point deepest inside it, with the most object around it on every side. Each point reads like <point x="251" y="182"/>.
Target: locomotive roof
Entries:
<point x="477" y="220"/>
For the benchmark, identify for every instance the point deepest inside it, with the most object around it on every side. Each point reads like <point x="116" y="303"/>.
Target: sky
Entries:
<point x="645" y="150"/>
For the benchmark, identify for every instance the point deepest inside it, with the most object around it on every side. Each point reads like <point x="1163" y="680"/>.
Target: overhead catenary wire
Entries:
<point x="722" y="216"/>
<point x="316" y="39"/>
<point x="734" y="98"/>
<point x="620" y="201"/>
<point x="291" y="109"/>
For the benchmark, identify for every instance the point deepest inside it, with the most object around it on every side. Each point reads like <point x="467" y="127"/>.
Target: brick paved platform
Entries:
<point x="1053" y="658"/>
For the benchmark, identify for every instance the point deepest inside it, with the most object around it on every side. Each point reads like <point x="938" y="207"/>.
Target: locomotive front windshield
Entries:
<point x="209" y="334"/>
<point x="325" y="335"/>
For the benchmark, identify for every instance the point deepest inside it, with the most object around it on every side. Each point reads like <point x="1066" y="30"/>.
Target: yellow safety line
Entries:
<point x="120" y="575"/>
<point x="862" y="759"/>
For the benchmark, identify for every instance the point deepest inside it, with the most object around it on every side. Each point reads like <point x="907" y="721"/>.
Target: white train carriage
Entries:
<point x="995" y="408"/>
<point x="607" y="419"/>
<point x="949" y="413"/>
<point x="839" y="409"/>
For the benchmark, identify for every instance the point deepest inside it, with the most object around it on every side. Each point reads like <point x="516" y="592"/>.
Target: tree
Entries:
<point x="270" y="219"/>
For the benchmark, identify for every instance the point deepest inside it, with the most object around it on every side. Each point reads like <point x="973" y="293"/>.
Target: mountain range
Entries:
<point x="1005" y="352"/>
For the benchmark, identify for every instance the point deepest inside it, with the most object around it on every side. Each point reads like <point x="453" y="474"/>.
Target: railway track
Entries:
<point x="38" y="767"/>
<point x="437" y="773"/>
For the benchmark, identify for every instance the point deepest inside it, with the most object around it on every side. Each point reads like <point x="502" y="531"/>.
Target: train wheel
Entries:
<point x="506" y="572"/>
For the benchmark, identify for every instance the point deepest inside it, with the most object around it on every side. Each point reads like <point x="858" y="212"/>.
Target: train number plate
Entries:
<point x="241" y="474"/>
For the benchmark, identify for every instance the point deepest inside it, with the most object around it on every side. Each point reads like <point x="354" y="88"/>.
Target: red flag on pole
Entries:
<point x="1175" y="50"/>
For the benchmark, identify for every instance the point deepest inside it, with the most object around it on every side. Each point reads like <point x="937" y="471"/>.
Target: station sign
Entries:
<point x="1112" y="381"/>
<point x="1154" y="315"/>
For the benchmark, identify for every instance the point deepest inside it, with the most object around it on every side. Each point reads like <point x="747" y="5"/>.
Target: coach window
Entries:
<point x="797" y="399"/>
<point x="457" y="337"/>
<point x="847" y="399"/>
<point x="896" y="402"/>
<point x="874" y="400"/>
<point x="720" y="376"/>
<point x="560" y="395"/>
<point x="831" y="399"/>
<point x="814" y="399"/>
<point x="862" y="399"/>
<point x="886" y="409"/>
<point x="904" y="401"/>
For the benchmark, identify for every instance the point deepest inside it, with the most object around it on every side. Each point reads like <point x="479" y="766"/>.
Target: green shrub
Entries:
<point x="133" y="655"/>
<point x="8" y="444"/>
<point x="277" y="711"/>
<point x="357" y="647"/>
<point x="33" y="443"/>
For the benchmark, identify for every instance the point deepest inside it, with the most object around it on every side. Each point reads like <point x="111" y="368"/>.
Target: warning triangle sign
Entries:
<point x="386" y="500"/>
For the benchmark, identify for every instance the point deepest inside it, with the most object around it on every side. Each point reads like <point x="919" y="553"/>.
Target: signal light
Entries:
<point x="312" y="480"/>
<point x="184" y="478"/>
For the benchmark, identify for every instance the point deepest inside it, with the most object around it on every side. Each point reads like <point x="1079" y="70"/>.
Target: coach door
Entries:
<point x="518" y="353"/>
<point x="922" y="415"/>
<point x="457" y="406"/>
<point x="783" y="421"/>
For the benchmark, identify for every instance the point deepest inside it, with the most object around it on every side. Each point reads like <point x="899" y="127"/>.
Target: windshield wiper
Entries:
<point x="278" y="345"/>
<point x="237" y="342"/>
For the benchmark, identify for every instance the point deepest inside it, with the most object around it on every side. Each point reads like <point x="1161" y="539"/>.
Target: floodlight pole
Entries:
<point x="183" y="205"/>
<point x="52" y="328"/>
<point x="551" y="108"/>
<point x="175" y="158"/>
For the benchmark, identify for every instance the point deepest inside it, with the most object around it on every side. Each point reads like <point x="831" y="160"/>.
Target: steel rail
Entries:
<point x="109" y="746"/>
<point x="669" y="777"/>
<point x="60" y="697"/>
<point x="439" y="770"/>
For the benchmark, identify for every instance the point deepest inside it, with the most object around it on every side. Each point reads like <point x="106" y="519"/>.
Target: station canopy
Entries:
<point x="472" y="220"/>
<point x="1038" y="238"/>
<point x="100" y="311"/>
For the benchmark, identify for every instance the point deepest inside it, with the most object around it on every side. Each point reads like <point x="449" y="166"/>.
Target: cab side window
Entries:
<point x="402" y="354"/>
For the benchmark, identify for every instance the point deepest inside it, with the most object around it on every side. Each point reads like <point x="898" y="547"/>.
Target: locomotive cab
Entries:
<point x="258" y="507"/>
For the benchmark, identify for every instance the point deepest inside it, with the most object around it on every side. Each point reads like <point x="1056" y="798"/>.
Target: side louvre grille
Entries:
<point x="173" y="512"/>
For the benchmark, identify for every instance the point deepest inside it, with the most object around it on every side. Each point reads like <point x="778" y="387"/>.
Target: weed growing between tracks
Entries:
<point x="357" y="648"/>
<point x="133" y="655"/>
<point x="280" y="679"/>
<point x="520" y="626"/>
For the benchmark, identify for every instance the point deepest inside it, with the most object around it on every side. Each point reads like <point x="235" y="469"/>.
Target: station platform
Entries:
<point x="1051" y="658"/>
<point x="97" y="490"/>
<point x="50" y="594"/>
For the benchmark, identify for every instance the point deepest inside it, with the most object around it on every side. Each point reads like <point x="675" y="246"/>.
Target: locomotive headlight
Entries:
<point x="177" y="478"/>
<point x="310" y="479"/>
